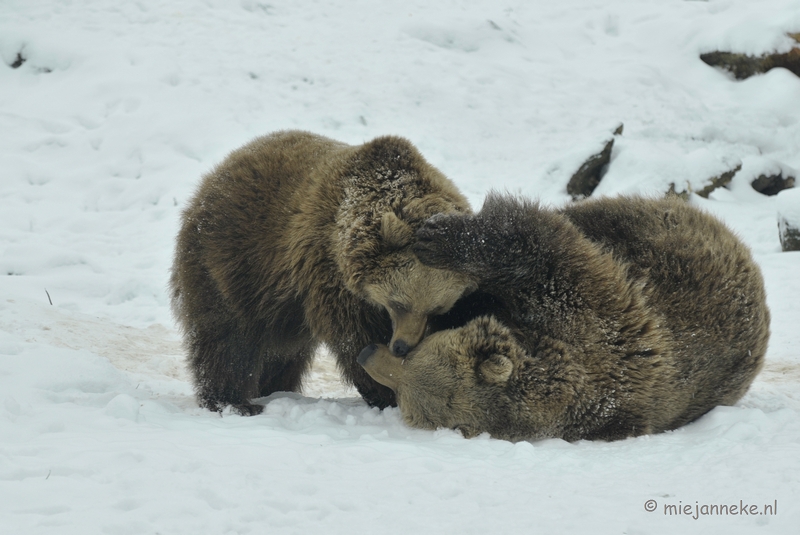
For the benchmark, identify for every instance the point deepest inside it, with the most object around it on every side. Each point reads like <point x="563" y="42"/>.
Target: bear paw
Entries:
<point x="242" y="409"/>
<point x="438" y="242"/>
<point x="247" y="409"/>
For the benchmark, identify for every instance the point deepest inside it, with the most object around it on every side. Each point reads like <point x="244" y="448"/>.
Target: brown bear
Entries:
<point x="606" y="319"/>
<point x="296" y="240"/>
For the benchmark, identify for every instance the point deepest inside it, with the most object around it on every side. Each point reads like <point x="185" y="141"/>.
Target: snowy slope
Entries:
<point x="120" y="107"/>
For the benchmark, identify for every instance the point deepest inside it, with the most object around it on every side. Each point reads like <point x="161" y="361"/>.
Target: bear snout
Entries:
<point x="366" y="353"/>
<point x="400" y="348"/>
<point x="381" y="365"/>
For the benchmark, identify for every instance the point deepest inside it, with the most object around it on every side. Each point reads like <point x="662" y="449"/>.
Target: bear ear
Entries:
<point x="496" y="369"/>
<point x="395" y="232"/>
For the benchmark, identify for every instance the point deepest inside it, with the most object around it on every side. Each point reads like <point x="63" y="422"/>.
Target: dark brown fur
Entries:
<point x="296" y="240"/>
<point x="608" y="319"/>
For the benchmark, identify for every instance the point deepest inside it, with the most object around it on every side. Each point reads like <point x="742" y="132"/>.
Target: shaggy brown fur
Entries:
<point x="608" y="319"/>
<point x="296" y="240"/>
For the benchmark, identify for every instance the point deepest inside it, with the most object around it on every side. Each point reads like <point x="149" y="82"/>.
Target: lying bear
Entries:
<point x="296" y="240"/>
<point x="607" y="319"/>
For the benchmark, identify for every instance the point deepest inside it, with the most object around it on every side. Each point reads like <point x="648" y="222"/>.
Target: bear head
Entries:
<point x="375" y="230"/>
<point x="462" y="379"/>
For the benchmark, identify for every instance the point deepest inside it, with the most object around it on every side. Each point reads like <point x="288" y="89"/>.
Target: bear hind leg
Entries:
<point x="226" y="366"/>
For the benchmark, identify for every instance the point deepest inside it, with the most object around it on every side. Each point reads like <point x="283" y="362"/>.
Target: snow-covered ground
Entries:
<point x="120" y="107"/>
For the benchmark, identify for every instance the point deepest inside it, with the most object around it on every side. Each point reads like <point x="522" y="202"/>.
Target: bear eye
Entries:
<point x="398" y="307"/>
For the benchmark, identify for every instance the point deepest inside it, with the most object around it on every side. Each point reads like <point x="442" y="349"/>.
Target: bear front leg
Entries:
<point x="476" y="245"/>
<point x="513" y="248"/>
<point x="445" y="241"/>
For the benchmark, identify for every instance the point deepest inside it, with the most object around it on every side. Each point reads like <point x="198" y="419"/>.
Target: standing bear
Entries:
<point x="296" y="240"/>
<point x="608" y="319"/>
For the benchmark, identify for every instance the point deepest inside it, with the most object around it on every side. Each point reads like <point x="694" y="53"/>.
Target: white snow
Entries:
<point x="120" y="107"/>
